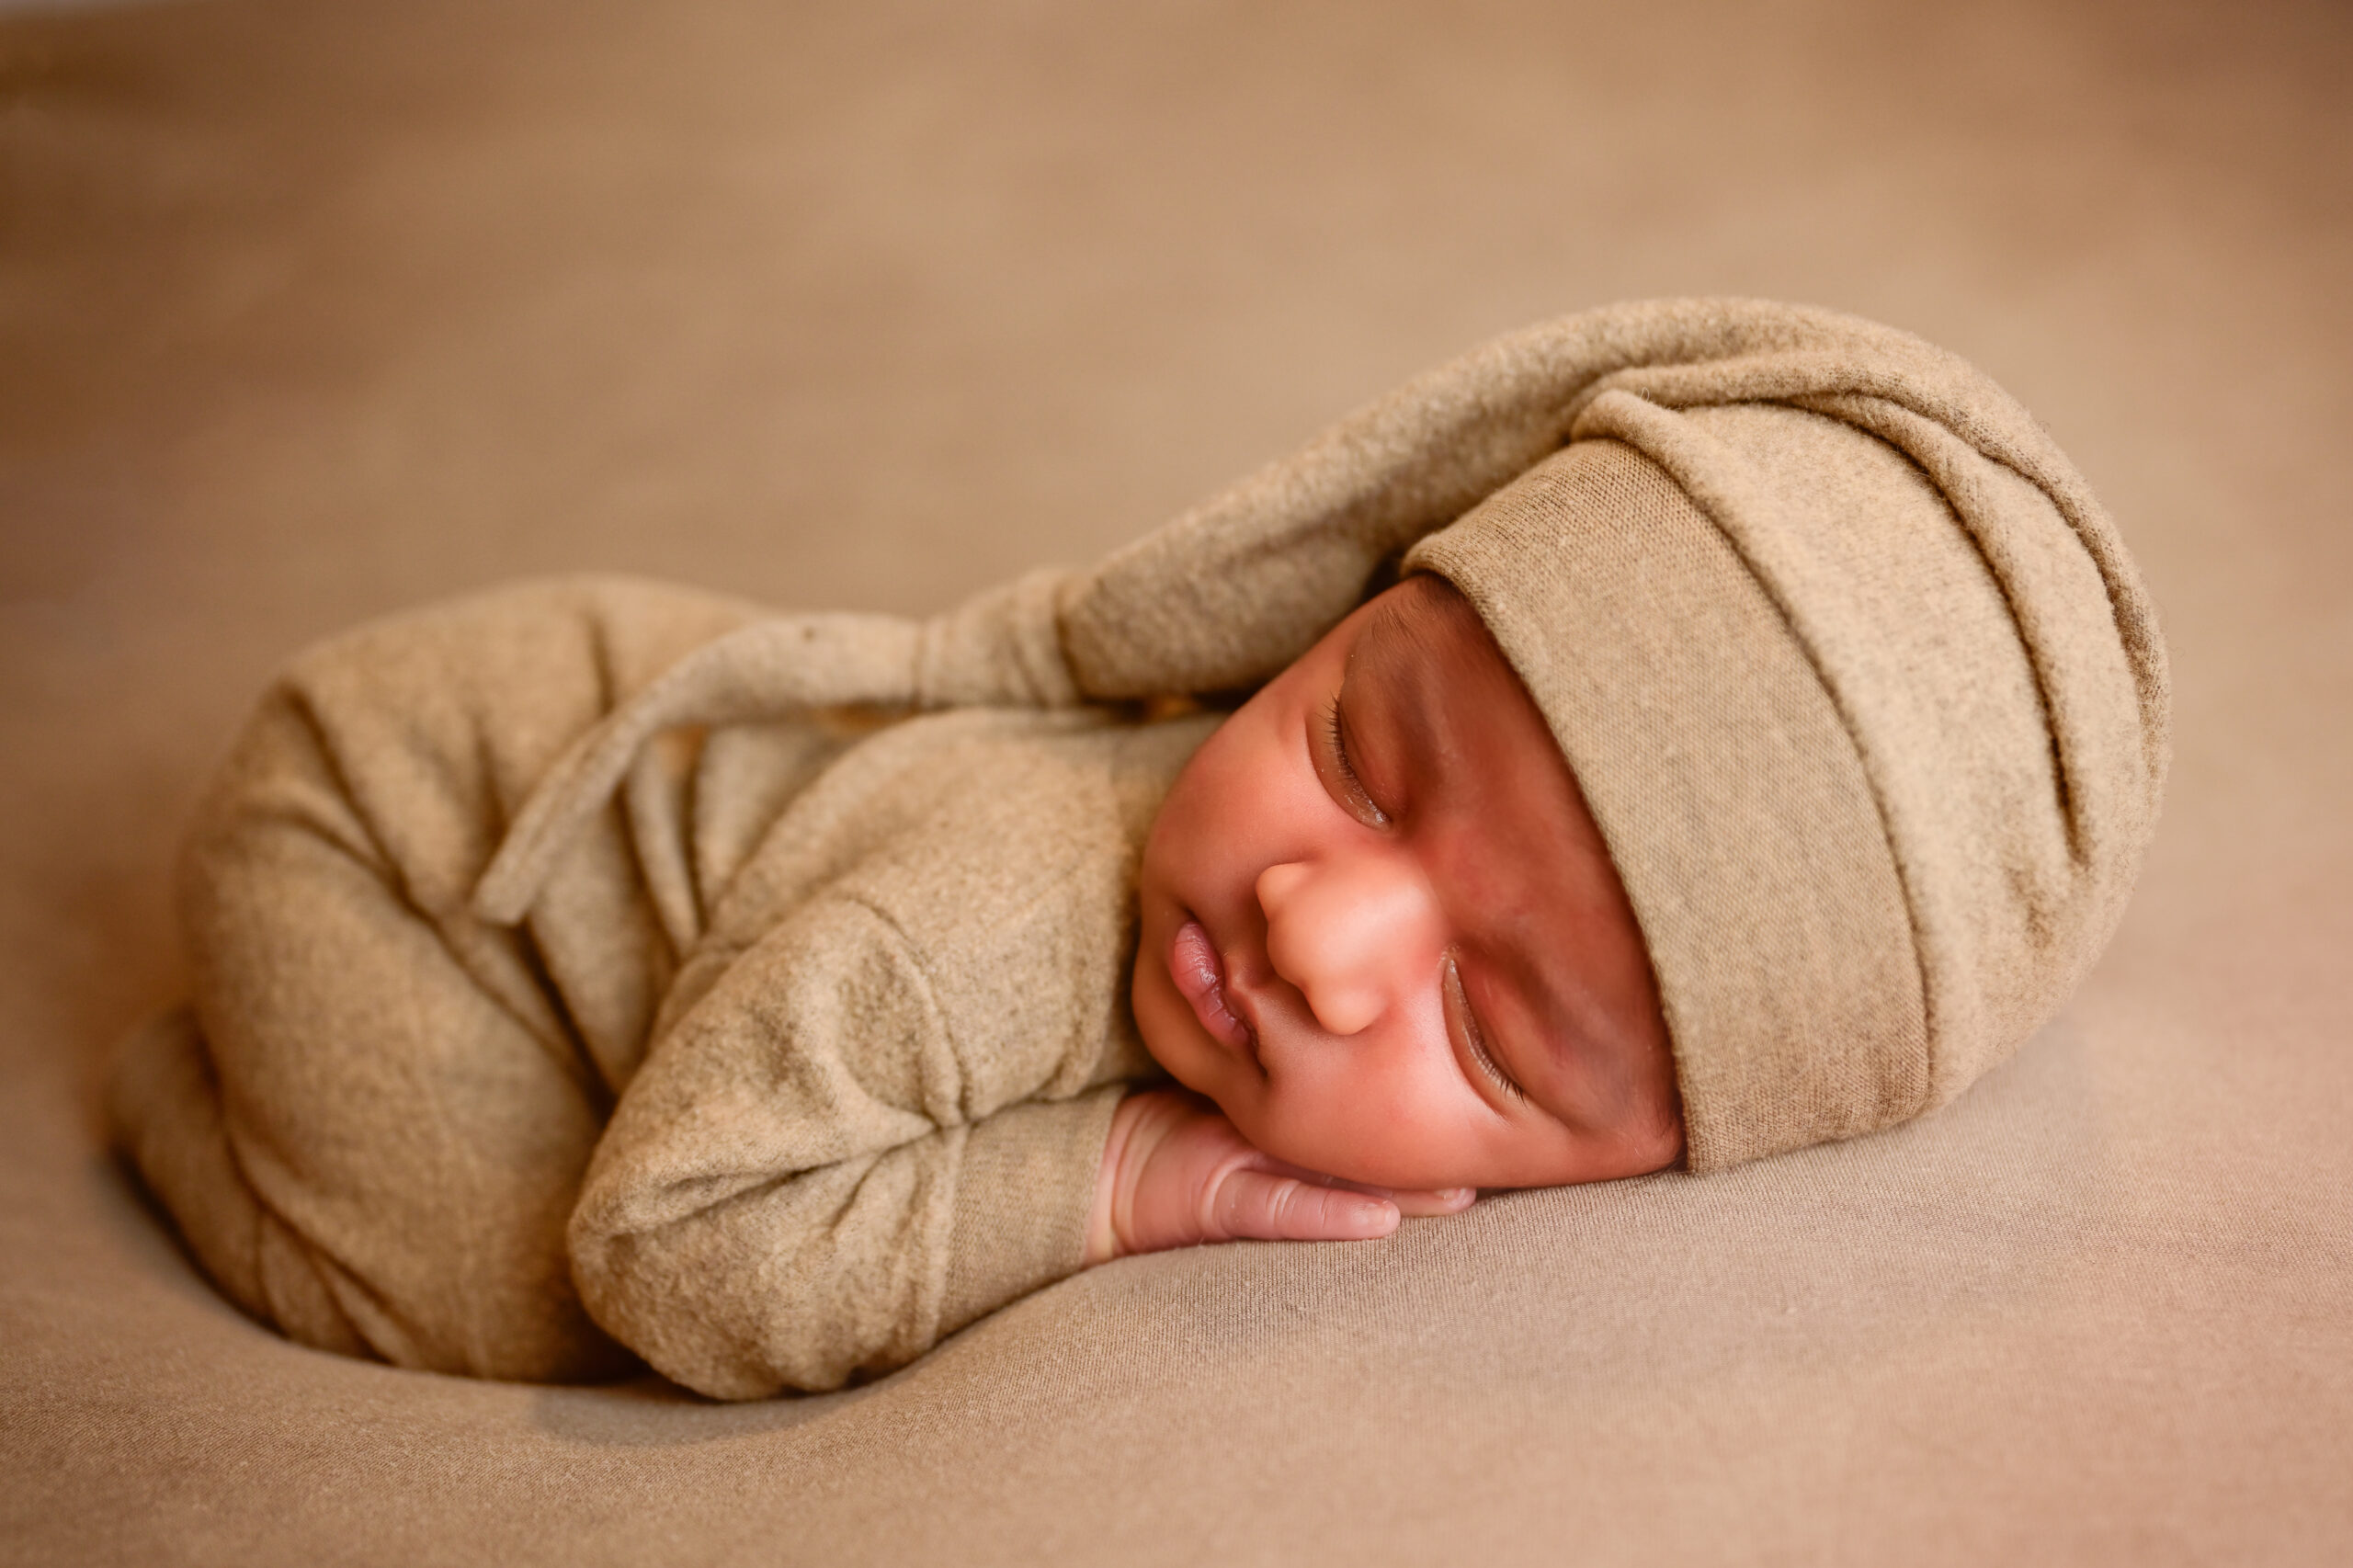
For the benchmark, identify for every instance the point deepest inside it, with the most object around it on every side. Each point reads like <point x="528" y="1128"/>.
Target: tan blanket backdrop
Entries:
<point x="311" y="311"/>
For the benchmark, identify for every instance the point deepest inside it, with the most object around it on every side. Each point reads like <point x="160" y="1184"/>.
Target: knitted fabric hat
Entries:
<point x="1863" y="692"/>
<point x="1867" y="702"/>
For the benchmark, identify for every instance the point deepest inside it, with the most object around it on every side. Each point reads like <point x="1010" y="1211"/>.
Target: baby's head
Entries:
<point x="1754" y="769"/>
<point x="1379" y="929"/>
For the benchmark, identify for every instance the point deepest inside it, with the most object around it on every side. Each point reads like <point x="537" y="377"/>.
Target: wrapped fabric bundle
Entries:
<point x="1861" y="687"/>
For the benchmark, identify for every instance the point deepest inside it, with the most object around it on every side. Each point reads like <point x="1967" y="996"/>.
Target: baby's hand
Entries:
<point x="1175" y="1173"/>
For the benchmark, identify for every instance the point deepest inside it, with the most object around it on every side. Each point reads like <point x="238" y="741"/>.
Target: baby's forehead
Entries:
<point x="1423" y="643"/>
<point x="1424" y="621"/>
<point x="1448" y="722"/>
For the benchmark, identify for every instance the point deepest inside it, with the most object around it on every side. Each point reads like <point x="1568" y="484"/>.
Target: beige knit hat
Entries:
<point x="1863" y="688"/>
<point x="1866" y="696"/>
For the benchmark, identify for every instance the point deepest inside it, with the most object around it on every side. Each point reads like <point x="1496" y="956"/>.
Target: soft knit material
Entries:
<point x="857" y="989"/>
<point x="1867" y="701"/>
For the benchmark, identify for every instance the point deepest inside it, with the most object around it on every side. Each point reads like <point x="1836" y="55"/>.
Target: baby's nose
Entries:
<point x="1348" y="935"/>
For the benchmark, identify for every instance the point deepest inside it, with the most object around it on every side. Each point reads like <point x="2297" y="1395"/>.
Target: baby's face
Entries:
<point x="1380" y="930"/>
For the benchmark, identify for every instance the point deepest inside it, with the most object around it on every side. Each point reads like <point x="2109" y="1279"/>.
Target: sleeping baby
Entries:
<point x="1673" y="735"/>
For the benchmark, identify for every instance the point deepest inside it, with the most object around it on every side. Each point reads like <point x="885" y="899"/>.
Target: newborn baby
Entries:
<point x="1680" y="734"/>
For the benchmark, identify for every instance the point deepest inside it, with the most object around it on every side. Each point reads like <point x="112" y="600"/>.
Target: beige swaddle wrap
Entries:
<point x="802" y="1056"/>
<point x="1866" y="696"/>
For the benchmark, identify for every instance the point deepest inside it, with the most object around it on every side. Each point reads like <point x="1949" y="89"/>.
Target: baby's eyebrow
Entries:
<point x="1400" y="652"/>
<point x="1389" y="619"/>
<point x="1387" y="657"/>
<point x="1397" y="641"/>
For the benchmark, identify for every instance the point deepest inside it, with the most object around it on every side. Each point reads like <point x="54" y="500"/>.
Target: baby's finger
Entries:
<point x="1416" y="1201"/>
<point x="1443" y="1200"/>
<point x="1409" y="1200"/>
<point x="1261" y="1206"/>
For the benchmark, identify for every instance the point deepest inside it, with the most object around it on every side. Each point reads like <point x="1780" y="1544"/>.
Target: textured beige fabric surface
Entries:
<point x="849" y="992"/>
<point x="316" y="311"/>
<point x="875" y="1102"/>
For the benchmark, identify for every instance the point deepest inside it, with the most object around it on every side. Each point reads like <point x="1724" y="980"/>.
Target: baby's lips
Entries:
<point x="1199" y="976"/>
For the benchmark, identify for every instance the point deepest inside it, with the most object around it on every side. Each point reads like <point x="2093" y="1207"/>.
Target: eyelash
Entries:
<point x="1340" y="759"/>
<point x="1503" y="1079"/>
<point x="1471" y="1035"/>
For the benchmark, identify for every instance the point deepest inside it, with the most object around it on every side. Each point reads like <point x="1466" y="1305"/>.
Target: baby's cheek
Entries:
<point x="1385" y="1127"/>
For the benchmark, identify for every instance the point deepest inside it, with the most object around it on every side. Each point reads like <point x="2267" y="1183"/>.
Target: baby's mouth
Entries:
<point x="1198" y="971"/>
